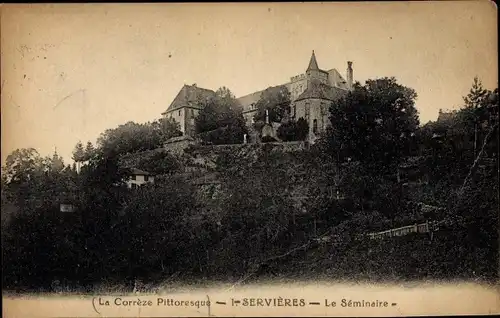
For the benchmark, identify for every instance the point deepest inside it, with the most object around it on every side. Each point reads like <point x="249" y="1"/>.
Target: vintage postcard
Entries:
<point x="250" y="159"/>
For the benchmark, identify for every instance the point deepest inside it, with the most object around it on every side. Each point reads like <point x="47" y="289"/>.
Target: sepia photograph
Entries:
<point x="241" y="159"/>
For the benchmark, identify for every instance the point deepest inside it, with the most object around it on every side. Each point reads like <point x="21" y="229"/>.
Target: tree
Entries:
<point x="373" y="123"/>
<point x="255" y="206"/>
<point x="32" y="182"/>
<point x="128" y="138"/>
<point x="474" y="104"/>
<point x="276" y="100"/>
<point x="293" y="130"/>
<point x="78" y="155"/>
<point x="302" y="130"/>
<point x="156" y="224"/>
<point x="78" y="152"/>
<point x="56" y="163"/>
<point x="475" y="111"/>
<point x="477" y="96"/>
<point x="220" y="120"/>
<point x="452" y="145"/>
<point x="167" y="128"/>
<point x="22" y="165"/>
<point x="160" y="163"/>
<point x="89" y="151"/>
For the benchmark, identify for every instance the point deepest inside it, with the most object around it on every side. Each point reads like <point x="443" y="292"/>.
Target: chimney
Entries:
<point x="349" y="75"/>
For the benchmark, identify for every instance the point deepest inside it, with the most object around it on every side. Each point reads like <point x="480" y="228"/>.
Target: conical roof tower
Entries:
<point x="313" y="64"/>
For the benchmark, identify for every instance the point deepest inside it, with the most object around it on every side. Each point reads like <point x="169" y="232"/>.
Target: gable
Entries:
<point x="189" y="96"/>
<point x="336" y="79"/>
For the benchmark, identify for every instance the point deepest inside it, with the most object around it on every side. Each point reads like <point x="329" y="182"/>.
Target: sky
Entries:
<point x="69" y="72"/>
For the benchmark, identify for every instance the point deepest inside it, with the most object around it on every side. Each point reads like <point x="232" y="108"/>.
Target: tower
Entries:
<point x="313" y="64"/>
<point x="313" y="71"/>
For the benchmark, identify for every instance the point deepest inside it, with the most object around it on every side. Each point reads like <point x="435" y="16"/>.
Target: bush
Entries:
<point x="293" y="130"/>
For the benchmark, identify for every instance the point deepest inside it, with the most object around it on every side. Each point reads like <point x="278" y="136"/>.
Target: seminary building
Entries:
<point x="311" y="94"/>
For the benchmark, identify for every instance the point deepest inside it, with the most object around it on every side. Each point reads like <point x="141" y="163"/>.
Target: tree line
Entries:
<point x="266" y="202"/>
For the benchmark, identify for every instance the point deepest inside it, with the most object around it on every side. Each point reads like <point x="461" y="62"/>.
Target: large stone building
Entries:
<point x="186" y="106"/>
<point x="311" y="93"/>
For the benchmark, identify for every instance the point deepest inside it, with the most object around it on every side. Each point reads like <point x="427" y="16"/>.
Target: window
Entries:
<point x="146" y="178"/>
<point x="315" y="126"/>
<point x="134" y="186"/>
<point x="294" y="111"/>
<point x="307" y="111"/>
<point x="133" y="177"/>
<point x="192" y="112"/>
<point x="179" y="112"/>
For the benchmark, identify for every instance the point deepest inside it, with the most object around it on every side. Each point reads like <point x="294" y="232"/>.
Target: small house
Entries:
<point x="139" y="177"/>
<point x="67" y="207"/>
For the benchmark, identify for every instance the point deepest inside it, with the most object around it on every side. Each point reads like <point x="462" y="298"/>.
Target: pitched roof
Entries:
<point x="189" y="96"/>
<point x="336" y="78"/>
<point x="253" y="98"/>
<point x="136" y="171"/>
<point x="317" y="90"/>
<point x="249" y="99"/>
<point x="313" y="64"/>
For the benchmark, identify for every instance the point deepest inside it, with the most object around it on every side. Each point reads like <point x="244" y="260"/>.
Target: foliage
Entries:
<point x="127" y="138"/>
<point x="89" y="151"/>
<point x="220" y="120"/>
<point x="79" y="152"/>
<point x="156" y="222"/>
<point x="132" y="137"/>
<point x="30" y="180"/>
<point x="293" y="130"/>
<point x="268" y="203"/>
<point x="22" y="165"/>
<point x="451" y="145"/>
<point x="160" y="163"/>
<point x="167" y="128"/>
<point x="276" y="100"/>
<point x="373" y="123"/>
<point x="257" y="207"/>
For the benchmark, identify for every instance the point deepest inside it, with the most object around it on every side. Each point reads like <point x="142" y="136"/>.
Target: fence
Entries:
<point x="427" y="227"/>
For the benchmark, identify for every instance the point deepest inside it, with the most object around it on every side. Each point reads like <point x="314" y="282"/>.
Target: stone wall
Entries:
<point x="178" y="144"/>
